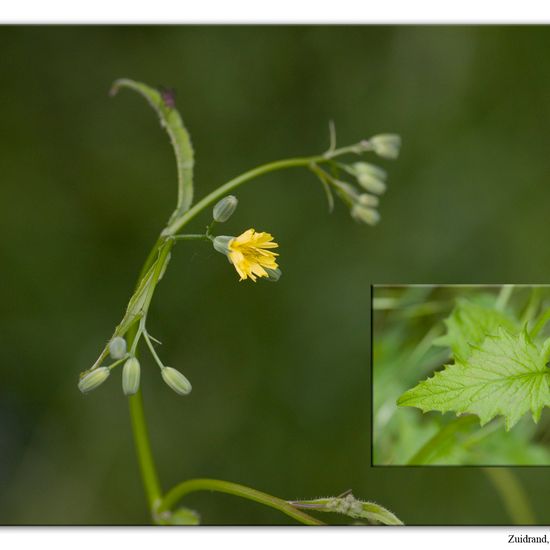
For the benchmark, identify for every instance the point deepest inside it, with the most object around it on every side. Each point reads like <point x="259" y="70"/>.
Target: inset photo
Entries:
<point x="460" y="375"/>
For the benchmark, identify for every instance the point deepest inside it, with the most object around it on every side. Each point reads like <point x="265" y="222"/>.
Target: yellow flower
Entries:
<point x="248" y="253"/>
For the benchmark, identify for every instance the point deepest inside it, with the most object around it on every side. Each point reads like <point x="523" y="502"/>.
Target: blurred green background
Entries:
<point x="281" y="397"/>
<point x="409" y="324"/>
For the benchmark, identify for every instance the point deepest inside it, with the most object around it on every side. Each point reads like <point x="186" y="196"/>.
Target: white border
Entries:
<point x="323" y="538"/>
<point x="276" y="11"/>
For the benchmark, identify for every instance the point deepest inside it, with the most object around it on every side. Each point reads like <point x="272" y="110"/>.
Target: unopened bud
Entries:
<point x="93" y="379"/>
<point x="225" y="208"/>
<point x="367" y="200"/>
<point x="365" y="214"/>
<point x="371" y="184"/>
<point x="221" y="243"/>
<point x="130" y="376"/>
<point x="117" y="347"/>
<point x="386" y="145"/>
<point x="273" y="275"/>
<point x="371" y="169"/>
<point x="175" y="379"/>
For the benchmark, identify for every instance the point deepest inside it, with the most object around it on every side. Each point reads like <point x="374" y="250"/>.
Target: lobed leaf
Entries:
<point x="469" y="324"/>
<point x="505" y="375"/>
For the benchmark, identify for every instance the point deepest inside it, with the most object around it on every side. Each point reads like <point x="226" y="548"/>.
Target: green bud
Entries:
<point x="371" y="184"/>
<point x="175" y="379"/>
<point x="386" y="145"/>
<point x="93" y="379"/>
<point x="225" y="208"/>
<point x="371" y="169"/>
<point x="365" y="214"/>
<point x="184" y="516"/>
<point x="221" y="244"/>
<point x="273" y="275"/>
<point x="367" y="200"/>
<point x="117" y="347"/>
<point x="130" y="376"/>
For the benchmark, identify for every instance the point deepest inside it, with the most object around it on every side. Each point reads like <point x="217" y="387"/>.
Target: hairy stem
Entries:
<point x="193" y="485"/>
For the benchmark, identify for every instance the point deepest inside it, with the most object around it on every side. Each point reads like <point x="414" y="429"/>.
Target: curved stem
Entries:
<point x="175" y="225"/>
<point x="141" y="436"/>
<point x="152" y="349"/>
<point x="512" y="494"/>
<point x="179" y="491"/>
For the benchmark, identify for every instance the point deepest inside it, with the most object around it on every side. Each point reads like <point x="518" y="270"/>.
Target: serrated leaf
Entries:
<point x="506" y="375"/>
<point x="469" y="324"/>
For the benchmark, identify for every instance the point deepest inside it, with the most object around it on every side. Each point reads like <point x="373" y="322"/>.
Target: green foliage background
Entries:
<point x="281" y="397"/>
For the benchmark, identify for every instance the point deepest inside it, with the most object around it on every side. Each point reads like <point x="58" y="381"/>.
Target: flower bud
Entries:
<point x="365" y="214"/>
<point x="273" y="275"/>
<point x="221" y="244"/>
<point x="371" y="169"/>
<point x="386" y="145"/>
<point x="225" y="208"/>
<point x="130" y="376"/>
<point x="367" y="200"/>
<point x="175" y="379"/>
<point x="117" y="347"/>
<point x="371" y="184"/>
<point x="93" y="379"/>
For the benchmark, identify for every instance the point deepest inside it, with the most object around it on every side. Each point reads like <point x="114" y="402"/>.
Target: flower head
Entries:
<point x="250" y="254"/>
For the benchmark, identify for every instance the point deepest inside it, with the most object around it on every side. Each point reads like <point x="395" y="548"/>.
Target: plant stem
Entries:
<point x="143" y="450"/>
<point x="175" y="225"/>
<point x="429" y="452"/>
<point x="532" y="306"/>
<point x="503" y="297"/>
<point x="137" y="415"/>
<point x="141" y="436"/>
<point x="193" y="485"/>
<point x="191" y="237"/>
<point x="512" y="494"/>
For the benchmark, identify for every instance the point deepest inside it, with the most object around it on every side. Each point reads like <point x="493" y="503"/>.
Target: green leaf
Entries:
<point x="506" y="375"/>
<point x="171" y="121"/>
<point x="469" y="324"/>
